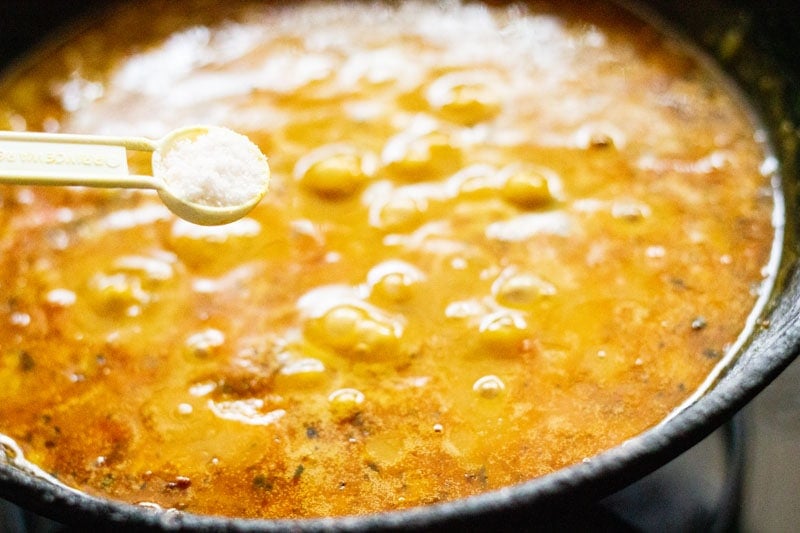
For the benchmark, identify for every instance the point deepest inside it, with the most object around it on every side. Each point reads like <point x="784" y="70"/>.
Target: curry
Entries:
<point x="499" y="240"/>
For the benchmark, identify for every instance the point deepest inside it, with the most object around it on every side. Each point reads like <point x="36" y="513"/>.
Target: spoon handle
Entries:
<point x="140" y="144"/>
<point x="28" y="158"/>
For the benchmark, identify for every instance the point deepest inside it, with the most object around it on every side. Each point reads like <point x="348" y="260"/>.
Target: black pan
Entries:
<point x="768" y="36"/>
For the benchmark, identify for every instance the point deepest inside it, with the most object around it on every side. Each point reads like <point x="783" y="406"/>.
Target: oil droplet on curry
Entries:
<point x="500" y="239"/>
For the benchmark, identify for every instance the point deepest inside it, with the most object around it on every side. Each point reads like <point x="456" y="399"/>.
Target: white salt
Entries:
<point x="220" y="168"/>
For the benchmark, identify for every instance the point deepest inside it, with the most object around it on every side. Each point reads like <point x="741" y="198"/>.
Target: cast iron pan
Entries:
<point x="769" y="36"/>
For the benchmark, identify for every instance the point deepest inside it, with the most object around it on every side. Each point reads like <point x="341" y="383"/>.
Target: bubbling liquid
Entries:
<point x="499" y="240"/>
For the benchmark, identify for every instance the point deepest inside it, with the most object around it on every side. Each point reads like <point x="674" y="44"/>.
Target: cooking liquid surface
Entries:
<point x="498" y="241"/>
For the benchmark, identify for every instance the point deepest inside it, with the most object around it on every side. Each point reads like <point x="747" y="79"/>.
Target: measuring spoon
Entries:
<point x="205" y="174"/>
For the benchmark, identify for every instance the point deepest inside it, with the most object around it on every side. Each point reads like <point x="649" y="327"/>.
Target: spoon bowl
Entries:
<point x="215" y="210"/>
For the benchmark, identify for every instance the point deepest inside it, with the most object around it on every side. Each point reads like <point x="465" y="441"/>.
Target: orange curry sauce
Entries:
<point x="498" y="241"/>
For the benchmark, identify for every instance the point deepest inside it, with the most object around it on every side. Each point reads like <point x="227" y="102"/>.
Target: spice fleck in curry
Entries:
<point x="498" y="240"/>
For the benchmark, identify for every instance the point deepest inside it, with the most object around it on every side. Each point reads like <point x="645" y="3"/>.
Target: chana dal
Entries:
<point x="500" y="239"/>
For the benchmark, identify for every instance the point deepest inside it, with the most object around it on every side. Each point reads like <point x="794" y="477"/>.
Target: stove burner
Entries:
<point x="699" y="491"/>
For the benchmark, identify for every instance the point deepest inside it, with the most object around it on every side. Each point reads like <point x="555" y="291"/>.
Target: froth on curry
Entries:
<point x="499" y="240"/>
